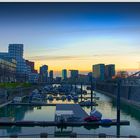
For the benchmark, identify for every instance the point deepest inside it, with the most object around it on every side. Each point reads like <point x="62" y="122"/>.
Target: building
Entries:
<point x="89" y="77"/>
<point x="15" y="51"/>
<point x="82" y="78"/>
<point x="122" y="74"/>
<point x="51" y="75"/>
<point x="32" y="65"/>
<point x="99" y="71"/>
<point x="33" y="77"/>
<point x="58" y="79"/>
<point x="23" y="68"/>
<point x="74" y="74"/>
<point x="64" y="74"/>
<point x="109" y="71"/>
<point x="7" y="69"/>
<point x="44" y="73"/>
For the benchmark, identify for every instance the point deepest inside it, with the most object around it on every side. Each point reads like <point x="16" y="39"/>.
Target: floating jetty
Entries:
<point x="75" y="108"/>
<point x="42" y="104"/>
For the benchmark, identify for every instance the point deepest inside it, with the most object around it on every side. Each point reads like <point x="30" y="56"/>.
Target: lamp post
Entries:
<point x="91" y="93"/>
<point x="81" y="92"/>
<point x="118" y="107"/>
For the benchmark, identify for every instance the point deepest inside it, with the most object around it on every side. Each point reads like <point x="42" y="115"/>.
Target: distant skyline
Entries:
<point x="73" y="35"/>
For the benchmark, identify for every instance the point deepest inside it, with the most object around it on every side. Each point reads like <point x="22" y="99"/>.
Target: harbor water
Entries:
<point x="106" y="105"/>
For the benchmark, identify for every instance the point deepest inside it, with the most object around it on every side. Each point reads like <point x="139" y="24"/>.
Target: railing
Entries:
<point x="45" y="135"/>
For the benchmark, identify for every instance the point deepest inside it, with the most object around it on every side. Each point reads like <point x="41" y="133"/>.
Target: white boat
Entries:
<point x="17" y="99"/>
<point x="96" y="114"/>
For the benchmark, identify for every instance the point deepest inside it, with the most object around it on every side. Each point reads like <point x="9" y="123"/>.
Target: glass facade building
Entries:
<point x="64" y="74"/>
<point x="7" y="70"/>
<point x="99" y="71"/>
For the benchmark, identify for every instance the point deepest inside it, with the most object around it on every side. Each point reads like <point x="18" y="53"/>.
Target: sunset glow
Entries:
<point x="74" y="36"/>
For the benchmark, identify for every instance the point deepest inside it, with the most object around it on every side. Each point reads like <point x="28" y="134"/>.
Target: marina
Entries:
<point x="63" y="73"/>
<point x="73" y="112"/>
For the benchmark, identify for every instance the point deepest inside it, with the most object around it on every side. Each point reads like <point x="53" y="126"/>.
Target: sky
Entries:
<point x="73" y="35"/>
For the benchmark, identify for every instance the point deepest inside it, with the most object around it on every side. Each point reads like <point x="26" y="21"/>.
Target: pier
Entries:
<point x="44" y="104"/>
<point x="75" y="108"/>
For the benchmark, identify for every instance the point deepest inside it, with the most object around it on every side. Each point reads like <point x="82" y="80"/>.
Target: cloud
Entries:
<point x="66" y="57"/>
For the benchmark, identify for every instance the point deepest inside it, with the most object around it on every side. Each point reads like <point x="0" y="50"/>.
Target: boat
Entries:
<point x="69" y="97"/>
<point x="96" y="114"/>
<point x="84" y="92"/>
<point x="87" y="103"/>
<point x="63" y="97"/>
<point x="57" y="98"/>
<point x="17" y="99"/>
<point x="75" y="98"/>
<point x="50" y="97"/>
<point x="88" y="88"/>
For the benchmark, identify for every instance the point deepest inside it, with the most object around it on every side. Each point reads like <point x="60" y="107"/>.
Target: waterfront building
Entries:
<point x="74" y="74"/>
<point x="109" y="71"/>
<point x="58" y="79"/>
<point x="7" y="69"/>
<point x="64" y="74"/>
<point x="122" y="74"/>
<point x="32" y="66"/>
<point x="89" y="77"/>
<point x="99" y="71"/>
<point x="82" y="78"/>
<point x="44" y="73"/>
<point x="33" y="77"/>
<point x="16" y="50"/>
<point x="23" y="68"/>
<point x="51" y="75"/>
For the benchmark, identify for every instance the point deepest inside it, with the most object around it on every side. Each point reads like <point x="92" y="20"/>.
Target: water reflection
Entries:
<point x="131" y="110"/>
<point x="106" y="105"/>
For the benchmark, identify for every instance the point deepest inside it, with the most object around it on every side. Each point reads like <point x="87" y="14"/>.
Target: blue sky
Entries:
<point x="73" y="35"/>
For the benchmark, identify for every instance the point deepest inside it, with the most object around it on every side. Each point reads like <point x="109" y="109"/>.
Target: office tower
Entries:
<point x="44" y="73"/>
<point x="64" y="74"/>
<point x="89" y="75"/>
<point x="99" y="71"/>
<point x="74" y="74"/>
<point x="51" y="75"/>
<point x="16" y="50"/>
<point x="22" y="70"/>
<point x="109" y="71"/>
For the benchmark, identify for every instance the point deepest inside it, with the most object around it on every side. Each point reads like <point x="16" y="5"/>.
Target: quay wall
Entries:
<point x="14" y="92"/>
<point x="131" y="92"/>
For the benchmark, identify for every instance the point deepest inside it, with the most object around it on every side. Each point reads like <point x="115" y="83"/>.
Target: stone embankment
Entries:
<point x="129" y="94"/>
